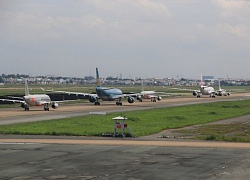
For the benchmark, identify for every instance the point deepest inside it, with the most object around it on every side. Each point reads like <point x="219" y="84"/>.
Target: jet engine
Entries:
<point x="194" y="93"/>
<point x="24" y="105"/>
<point x="92" y="99"/>
<point x="159" y="98"/>
<point x="55" y="105"/>
<point x="131" y="100"/>
<point x="138" y="97"/>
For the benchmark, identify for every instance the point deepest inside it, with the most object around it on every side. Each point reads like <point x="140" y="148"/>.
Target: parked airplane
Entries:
<point x="33" y="100"/>
<point x="221" y="92"/>
<point x="105" y="94"/>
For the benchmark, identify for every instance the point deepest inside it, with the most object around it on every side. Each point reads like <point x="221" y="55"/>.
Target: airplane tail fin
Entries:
<point x="142" y="87"/>
<point x="26" y="88"/>
<point x="201" y="83"/>
<point x="98" y="81"/>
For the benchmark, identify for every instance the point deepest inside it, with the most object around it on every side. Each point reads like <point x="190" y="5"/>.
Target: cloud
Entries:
<point x="223" y="29"/>
<point x="233" y="9"/>
<point x="123" y="20"/>
<point x="140" y="5"/>
<point x="231" y="4"/>
<point x="170" y="33"/>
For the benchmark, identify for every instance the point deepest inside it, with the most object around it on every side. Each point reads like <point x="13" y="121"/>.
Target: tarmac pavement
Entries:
<point x="131" y="162"/>
<point x="52" y="157"/>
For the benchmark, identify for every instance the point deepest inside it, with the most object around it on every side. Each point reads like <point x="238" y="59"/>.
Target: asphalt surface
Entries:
<point x="60" y="161"/>
<point x="47" y="157"/>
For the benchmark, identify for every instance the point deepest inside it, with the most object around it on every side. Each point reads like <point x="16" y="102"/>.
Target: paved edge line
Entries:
<point x="233" y="145"/>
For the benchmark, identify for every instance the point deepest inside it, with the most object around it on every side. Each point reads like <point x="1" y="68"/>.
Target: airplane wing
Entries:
<point x="211" y="92"/>
<point x="183" y="89"/>
<point x="132" y="94"/>
<point x="198" y="91"/>
<point x="68" y="92"/>
<point x="14" y="97"/>
<point x="45" y="102"/>
<point x="156" y="94"/>
<point x="119" y="96"/>
<point x="12" y="100"/>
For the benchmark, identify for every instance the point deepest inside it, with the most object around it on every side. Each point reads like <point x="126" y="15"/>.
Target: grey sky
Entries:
<point x="135" y="38"/>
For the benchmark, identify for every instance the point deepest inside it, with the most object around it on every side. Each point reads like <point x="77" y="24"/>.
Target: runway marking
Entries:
<point x="123" y="142"/>
<point x="16" y="143"/>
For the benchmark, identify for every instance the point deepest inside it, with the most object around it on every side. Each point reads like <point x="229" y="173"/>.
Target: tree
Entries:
<point x="1" y="79"/>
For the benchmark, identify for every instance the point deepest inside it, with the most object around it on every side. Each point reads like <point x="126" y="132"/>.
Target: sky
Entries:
<point x="125" y="38"/>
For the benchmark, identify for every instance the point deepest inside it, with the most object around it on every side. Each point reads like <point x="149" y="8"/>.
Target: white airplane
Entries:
<point x="202" y="90"/>
<point x="221" y="92"/>
<point x="148" y="95"/>
<point x="152" y="95"/>
<point x="33" y="100"/>
<point x="105" y="94"/>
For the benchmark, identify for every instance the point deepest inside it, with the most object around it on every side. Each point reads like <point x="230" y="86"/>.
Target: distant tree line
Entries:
<point x="6" y="77"/>
<point x="14" y="76"/>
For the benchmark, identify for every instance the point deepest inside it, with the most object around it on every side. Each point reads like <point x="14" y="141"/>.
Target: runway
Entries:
<point x="58" y="157"/>
<point x="18" y="115"/>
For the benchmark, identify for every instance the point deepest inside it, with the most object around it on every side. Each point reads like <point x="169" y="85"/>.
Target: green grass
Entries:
<point x="140" y="123"/>
<point x="237" y="132"/>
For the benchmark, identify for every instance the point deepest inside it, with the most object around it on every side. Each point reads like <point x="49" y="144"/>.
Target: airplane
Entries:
<point x="152" y="95"/>
<point x="221" y="92"/>
<point x="148" y="95"/>
<point x="105" y="94"/>
<point x="33" y="100"/>
<point x="202" y="90"/>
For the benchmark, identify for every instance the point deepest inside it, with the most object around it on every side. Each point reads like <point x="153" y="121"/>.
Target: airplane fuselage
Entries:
<point x="205" y="90"/>
<point x="148" y="94"/>
<point x="108" y="94"/>
<point x="222" y="92"/>
<point x="36" y="100"/>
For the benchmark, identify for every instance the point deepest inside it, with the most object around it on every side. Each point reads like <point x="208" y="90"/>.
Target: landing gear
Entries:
<point x="212" y="96"/>
<point x="46" y="107"/>
<point x="118" y="103"/>
<point x="153" y="100"/>
<point x="97" y="103"/>
<point x="25" y="106"/>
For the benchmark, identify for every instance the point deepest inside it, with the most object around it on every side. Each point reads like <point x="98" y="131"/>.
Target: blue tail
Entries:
<point x="98" y="81"/>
